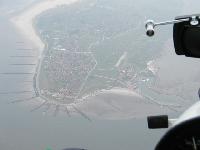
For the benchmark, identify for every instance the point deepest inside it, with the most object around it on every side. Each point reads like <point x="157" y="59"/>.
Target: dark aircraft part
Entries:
<point x="187" y="36"/>
<point x="199" y="93"/>
<point x="183" y="136"/>
<point x="156" y="122"/>
<point x="150" y="27"/>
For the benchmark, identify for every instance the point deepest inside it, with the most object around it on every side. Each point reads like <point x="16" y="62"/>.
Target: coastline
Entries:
<point x="24" y="22"/>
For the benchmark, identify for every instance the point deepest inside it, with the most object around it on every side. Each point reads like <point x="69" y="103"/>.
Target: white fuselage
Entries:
<point x="192" y="112"/>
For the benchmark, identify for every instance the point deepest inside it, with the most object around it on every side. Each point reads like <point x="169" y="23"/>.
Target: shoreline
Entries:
<point x="24" y="22"/>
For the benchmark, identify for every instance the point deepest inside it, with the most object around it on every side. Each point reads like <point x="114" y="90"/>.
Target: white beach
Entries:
<point x="24" y="22"/>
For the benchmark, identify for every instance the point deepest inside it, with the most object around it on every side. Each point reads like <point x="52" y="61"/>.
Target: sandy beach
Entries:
<point x="24" y="21"/>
